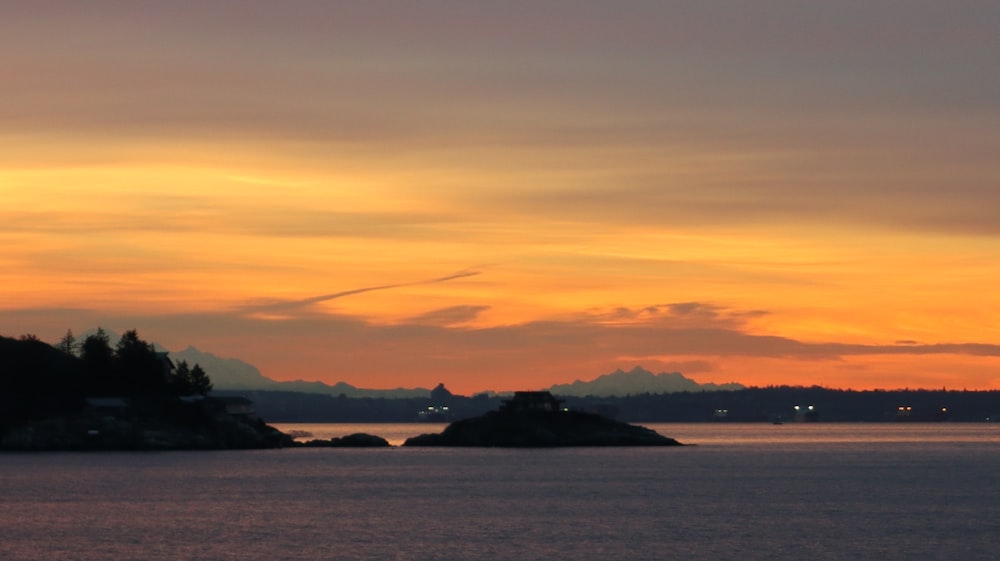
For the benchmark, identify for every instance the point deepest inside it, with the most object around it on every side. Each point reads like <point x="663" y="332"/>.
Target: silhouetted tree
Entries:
<point x="137" y="368"/>
<point x="68" y="343"/>
<point x="30" y="366"/>
<point x="200" y="382"/>
<point x="190" y="381"/>
<point x="25" y="368"/>
<point x="180" y="382"/>
<point x="97" y="359"/>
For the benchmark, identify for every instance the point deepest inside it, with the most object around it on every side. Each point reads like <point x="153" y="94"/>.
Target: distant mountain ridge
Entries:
<point x="226" y="373"/>
<point x="233" y="374"/>
<point x="637" y="381"/>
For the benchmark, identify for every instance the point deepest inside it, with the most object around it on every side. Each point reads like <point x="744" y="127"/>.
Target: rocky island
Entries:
<point x="536" y="419"/>
<point x="356" y="440"/>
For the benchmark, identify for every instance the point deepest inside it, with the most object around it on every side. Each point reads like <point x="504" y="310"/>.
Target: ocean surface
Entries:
<point x="744" y="492"/>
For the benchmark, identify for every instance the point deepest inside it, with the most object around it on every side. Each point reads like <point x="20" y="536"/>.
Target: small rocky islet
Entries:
<point x="356" y="440"/>
<point x="537" y="420"/>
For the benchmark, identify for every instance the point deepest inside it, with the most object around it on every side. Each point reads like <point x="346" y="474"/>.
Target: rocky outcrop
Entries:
<point x="152" y="425"/>
<point x="532" y="428"/>
<point x="356" y="440"/>
<point x="133" y="434"/>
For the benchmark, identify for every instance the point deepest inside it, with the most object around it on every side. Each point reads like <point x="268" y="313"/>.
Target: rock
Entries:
<point x="356" y="440"/>
<point x="185" y="427"/>
<point x="359" y="440"/>
<point x="532" y="428"/>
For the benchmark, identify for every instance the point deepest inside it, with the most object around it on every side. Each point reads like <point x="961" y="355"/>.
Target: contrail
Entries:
<point x="294" y="304"/>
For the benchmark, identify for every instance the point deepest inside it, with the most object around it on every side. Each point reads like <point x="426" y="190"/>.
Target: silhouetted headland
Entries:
<point x="91" y="396"/>
<point x="537" y="419"/>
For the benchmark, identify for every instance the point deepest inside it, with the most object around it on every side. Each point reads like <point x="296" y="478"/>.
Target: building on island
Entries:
<point x="806" y="413"/>
<point x="531" y="401"/>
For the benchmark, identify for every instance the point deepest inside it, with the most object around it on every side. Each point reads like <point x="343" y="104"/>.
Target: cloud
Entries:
<point x="293" y="305"/>
<point x="684" y="115"/>
<point x="449" y="316"/>
<point x="677" y="315"/>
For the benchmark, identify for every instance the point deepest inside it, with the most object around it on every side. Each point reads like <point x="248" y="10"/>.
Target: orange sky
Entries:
<point x="511" y="195"/>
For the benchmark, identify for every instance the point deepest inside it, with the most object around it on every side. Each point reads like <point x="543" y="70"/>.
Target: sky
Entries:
<point x="509" y="195"/>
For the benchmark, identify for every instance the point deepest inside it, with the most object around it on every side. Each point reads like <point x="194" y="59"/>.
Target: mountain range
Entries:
<point x="637" y="381"/>
<point x="234" y="374"/>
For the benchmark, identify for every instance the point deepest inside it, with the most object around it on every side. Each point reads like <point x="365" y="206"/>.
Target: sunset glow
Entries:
<point x="501" y="196"/>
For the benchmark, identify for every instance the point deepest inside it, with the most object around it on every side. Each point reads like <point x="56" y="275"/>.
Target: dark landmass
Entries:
<point x="141" y="423"/>
<point x="535" y="419"/>
<point x="90" y="396"/>
<point x="297" y="407"/>
<point x="771" y="404"/>
<point x="542" y="429"/>
<point x="356" y="440"/>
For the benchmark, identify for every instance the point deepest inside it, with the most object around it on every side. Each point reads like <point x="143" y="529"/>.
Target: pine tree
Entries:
<point x="97" y="362"/>
<point x="180" y="382"/>
<point x="138" y="369"/>
<point x="68" y="343"/>
<point x="200" y="382"/>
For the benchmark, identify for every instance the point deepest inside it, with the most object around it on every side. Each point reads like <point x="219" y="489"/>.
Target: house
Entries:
<point x="235" y="405"/>
<point x="806" y="414"/>
<point x="167" y="366"/>
<point x="107" y="405"/>
<point x="531" y="401"/>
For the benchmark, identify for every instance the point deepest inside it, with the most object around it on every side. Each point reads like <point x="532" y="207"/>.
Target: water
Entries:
<point x="785" y="492"/>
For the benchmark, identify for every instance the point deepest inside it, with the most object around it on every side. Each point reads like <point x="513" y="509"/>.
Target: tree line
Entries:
<point x="93" y="367"/>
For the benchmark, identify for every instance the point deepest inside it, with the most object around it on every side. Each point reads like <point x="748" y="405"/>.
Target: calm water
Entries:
<point x="775" y="492"/>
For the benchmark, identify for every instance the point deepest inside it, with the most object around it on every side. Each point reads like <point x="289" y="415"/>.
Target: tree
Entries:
<point x="24" y="368"/>
<point x="68" y="343"/>
<point x="97" y="359"/>
<point x="180" y="381"/>
<point x="200" y="382"/>
<point x="137" y="368"/>
<point x="190" y="381"/>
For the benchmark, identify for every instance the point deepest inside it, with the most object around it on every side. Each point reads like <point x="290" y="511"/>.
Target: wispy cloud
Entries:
<point x="279" y="306"/>
<point x="453" y="315"/>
